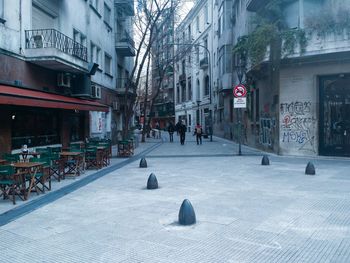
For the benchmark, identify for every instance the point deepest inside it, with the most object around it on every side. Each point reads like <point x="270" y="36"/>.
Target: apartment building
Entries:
<point x="58" y="71"/>
<point x="306" y="110"/>
<point x="193" y="67"/>
<point x="298" y="106"/>
<point x="162" y="71"/>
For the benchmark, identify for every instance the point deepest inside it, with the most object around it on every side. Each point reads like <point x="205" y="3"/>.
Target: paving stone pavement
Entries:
<point x="245" y="212"/>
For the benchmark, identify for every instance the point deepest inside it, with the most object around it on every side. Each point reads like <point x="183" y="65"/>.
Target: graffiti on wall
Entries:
<point x="298" y="125"/>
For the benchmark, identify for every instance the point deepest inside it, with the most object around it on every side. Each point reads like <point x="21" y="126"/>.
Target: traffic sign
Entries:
<point x="240" y="91"/>
<point x="240" y="102"/>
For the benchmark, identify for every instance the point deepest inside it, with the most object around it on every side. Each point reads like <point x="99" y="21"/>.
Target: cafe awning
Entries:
<point x="33" y="98"/>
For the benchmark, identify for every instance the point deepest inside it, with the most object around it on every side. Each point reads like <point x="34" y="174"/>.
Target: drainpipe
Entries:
<point x="20" y="27"/>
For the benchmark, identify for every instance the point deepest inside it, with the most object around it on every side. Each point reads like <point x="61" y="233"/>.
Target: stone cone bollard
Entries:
<point x="310" y="169"/>
<point x="143" y="163"/>
<point x="265" y="160"/>
<point x="186" y="214"/>
<point x="152" y="182"/>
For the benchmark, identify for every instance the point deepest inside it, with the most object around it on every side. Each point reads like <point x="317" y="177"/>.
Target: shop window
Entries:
<point x="34" y="128"/>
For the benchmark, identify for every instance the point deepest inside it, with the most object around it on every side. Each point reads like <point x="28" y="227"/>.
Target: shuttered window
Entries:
<point x="1" y="10"/>
<point x="42" y="20"/>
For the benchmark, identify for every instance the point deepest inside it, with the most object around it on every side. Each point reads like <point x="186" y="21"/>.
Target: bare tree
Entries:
<point x="147" y="18"/>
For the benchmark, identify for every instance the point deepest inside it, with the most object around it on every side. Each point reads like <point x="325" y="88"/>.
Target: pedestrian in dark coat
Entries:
<point x="177" y="127"/>
<point x="182" y="131"/>
<point x="198" y="131"/>
<point x="171" y="130"/>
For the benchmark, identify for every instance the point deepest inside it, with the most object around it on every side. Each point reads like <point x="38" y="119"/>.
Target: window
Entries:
<point x="183" y="66"/>
<point x="108" y="64"/>
<point x="206" y="14"/>
<point x="197" y="54"/>
<point x="220" y="27"/>
<point x="189" y="89"/>
<point x="107" y="14"/>
<point x="205" y="42"/>
<point x="177" y="93"/>
<point x="79" y="37"/>
<point x="189" y="33"/>
<point x="198" y="90"/>
<point x="2" y="20"/>
<point x="26" y="131"/>
<point x="197" y="24"/>
<point x="206" y="85"/>
<point x="95" y="54"/>
<point x="183" y="91"/>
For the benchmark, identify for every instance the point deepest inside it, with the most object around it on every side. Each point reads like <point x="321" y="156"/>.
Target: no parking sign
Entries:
<point x="240" y="100"/>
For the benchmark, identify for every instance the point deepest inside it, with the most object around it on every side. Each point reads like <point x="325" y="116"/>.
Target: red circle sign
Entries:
<point x="239" y="91"/>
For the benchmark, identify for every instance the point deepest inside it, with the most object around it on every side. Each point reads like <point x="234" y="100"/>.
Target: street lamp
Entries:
<point x="240" y="69"/>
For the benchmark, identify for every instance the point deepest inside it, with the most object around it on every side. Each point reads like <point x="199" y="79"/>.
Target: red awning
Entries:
<point x="26" y="97"/>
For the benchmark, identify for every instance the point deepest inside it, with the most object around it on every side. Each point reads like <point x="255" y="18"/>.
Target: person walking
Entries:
<point x="198" y="131"/>
<point x="171" y="130"/>
<point x="182" y="131"/>
<point x="158" y="131"/>
<point x="177" y="127"/>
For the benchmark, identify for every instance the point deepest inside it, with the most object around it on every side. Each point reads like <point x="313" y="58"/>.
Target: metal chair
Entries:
<point x="10" y="184"/>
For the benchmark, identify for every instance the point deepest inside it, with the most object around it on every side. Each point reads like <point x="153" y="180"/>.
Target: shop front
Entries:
<point x="38" y="118"/>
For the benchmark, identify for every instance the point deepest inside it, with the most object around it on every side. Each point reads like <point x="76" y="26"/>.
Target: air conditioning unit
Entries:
<point x="116" y="106"/>
<point x="96" y="92"/>
<point x="64" y="80"/>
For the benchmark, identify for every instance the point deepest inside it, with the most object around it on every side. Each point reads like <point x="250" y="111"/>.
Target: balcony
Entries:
<point x="255" y="5"/>
<point x="125" y="45"/>
<point x="204" y="63"/>
<point x="126" y="5"/>
<point x="51" y="49"/>
<point x="329" y="47"/>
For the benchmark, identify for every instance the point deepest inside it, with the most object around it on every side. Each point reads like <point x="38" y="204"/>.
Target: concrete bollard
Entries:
<point x="310" y="169"/>
<point x="265" y="160"/>
<point x="152" y="182"/>
<point x="186" y="214"/>
<point x="143" y="163"/>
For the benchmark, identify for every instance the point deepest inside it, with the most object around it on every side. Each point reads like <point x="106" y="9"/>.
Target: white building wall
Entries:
<point x="193" y="70"/>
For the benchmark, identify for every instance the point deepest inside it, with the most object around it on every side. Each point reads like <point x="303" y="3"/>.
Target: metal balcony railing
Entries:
<point x="51" y="38"/>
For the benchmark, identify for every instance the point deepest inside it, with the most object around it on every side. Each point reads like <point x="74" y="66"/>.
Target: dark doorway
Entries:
<point x="335" y="115"/>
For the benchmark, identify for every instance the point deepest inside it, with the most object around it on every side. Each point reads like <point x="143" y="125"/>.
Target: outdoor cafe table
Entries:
<point x="3" y="161"/>
<point x="74" y="167"/>
<point x="28" y="168"/>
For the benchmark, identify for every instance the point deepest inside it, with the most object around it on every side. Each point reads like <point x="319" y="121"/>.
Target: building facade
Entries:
<point x="59" y="71"/>
<point x="193" y="67"/>
<point x="163" y="71"/>
<point x="298" y="106"/>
